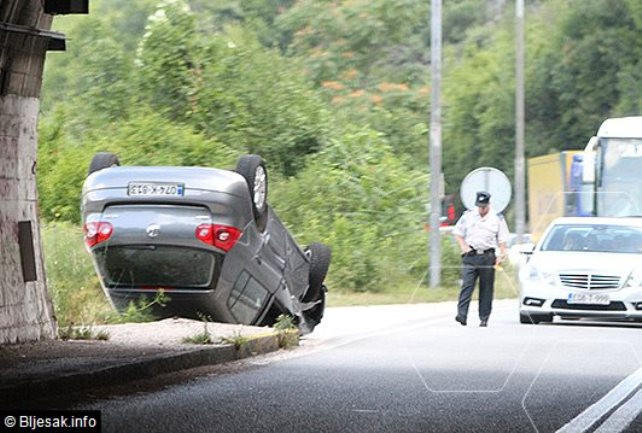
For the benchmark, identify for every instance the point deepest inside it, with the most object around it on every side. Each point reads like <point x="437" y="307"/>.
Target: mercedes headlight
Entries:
<point x="534" y="274"/>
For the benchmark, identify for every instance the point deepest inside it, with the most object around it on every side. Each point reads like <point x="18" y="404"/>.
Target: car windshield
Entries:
<point x="594" y="238"/>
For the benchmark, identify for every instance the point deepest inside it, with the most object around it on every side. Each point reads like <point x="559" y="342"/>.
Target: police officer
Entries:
<point x="479" y="232"/>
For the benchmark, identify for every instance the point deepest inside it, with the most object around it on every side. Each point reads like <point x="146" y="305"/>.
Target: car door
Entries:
<point x="288" y="257"/>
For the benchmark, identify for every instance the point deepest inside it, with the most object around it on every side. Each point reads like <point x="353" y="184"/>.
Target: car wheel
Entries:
<point x="252" y="168"/>
<point x="102" y="160"/>
<point x="319" y="256"/>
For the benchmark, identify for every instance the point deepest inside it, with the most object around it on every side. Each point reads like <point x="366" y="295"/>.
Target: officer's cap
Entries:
<point x="483" y="199"/>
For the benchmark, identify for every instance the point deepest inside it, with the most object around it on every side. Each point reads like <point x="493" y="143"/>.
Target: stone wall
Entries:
<point x="26" y="312"/>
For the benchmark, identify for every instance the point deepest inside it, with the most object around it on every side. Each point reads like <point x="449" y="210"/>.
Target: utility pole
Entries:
<point x="435" y="143"/>
<point x="520" y="189"/>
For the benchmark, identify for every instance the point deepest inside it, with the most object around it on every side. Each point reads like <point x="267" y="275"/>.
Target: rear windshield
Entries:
<point x="156" y="266"/>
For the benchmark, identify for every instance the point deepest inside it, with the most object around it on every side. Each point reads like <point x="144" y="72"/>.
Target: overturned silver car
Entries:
<point x="205" y="237"/>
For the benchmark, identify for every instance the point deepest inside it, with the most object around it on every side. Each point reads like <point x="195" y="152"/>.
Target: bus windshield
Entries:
<point x="619" y="185"/>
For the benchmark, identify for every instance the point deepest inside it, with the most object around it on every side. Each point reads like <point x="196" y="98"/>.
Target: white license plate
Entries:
<point x="155" y="189"/>
<point x="589" y="298"/>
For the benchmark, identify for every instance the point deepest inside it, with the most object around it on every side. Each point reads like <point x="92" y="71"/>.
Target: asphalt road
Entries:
<point x="411" y="369"/>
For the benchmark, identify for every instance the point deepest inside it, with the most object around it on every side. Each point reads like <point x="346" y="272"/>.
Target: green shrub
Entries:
<point x="359" y="198"/>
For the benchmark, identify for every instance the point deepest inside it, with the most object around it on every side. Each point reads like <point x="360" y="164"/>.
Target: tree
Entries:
<point x="257" y="102"/>
<point x="167" y="60"/>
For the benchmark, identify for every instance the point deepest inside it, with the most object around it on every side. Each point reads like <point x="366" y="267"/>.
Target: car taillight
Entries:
<point x="223" y="237"/>
<point x="97" y="232"/>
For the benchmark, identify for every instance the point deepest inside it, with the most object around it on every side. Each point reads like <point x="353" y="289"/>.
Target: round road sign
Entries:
<point x="487" y="179"/>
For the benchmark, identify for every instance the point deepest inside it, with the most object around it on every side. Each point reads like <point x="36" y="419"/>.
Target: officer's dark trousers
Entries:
<point x="473" y="267"/>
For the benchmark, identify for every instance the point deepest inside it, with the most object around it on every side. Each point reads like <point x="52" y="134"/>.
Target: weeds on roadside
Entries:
<point x="202" y="337"/>
<point x="237" y="339"/>
<point x="139" y="311"/>
<point x="286" y="331"/>
<point x="71" y="332"/>
<point x="71" y="279"/>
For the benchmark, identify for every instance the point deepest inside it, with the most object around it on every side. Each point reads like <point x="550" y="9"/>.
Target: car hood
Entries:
<point x="586" y="262"/>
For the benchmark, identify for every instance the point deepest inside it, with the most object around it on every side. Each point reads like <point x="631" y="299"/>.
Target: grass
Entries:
<point x="73" y="285"/>
<point x="71" y="332"/>
<point x="200" y="338"/>
<point x="237" y="339"/>
<point x="286" y="330"/>
<point x="203" y="337"/>
<point x="407" y="293"/>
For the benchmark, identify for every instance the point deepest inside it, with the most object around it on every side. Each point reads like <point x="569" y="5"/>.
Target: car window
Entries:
<point x="247" y="298"/>
<point x="594" y="238"/>
<point x="164" y="266"/>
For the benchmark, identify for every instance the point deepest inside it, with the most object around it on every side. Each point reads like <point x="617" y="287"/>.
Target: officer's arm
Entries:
<point x="463" y="246"/>
<point x="460" y="232"/>
<point x="502" y="251"/>
<point x="502" y="238"/>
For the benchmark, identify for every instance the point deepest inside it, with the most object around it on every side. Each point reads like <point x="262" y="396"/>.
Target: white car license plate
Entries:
<point x="589" y="298"/>
<point x="155" y="189"/>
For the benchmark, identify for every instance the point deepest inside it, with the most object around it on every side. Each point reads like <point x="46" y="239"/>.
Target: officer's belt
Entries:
<point x="474" y="252"/>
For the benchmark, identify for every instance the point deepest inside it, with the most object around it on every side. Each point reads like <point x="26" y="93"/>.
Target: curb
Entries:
<point x="144" y="368"/>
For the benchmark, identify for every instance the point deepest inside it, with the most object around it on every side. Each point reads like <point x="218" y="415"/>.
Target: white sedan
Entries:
<point x="584" y="267"/>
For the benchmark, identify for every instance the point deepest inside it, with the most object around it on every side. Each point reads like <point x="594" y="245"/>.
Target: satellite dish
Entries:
<point x="490" y="180"/>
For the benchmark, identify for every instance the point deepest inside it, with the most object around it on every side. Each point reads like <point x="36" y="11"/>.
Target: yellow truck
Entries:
<point x="554" y="188"/>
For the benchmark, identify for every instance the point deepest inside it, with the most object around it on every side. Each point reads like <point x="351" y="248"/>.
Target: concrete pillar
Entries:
<point x="26" y="312"/>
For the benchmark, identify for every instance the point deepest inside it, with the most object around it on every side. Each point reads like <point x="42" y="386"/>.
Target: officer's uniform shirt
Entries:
<point x="482" y="233"/>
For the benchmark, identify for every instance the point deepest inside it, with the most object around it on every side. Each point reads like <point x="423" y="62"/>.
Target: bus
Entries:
<point x="612" y="167"/>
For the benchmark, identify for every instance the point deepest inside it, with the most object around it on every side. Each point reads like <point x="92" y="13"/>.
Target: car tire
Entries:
<point x="319" y="255"/>
<point x="252" y="168"/>
<point x="102" y="160"/>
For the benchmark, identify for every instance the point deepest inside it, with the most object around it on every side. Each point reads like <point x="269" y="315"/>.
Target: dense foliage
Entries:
<point x="335" y="96"/>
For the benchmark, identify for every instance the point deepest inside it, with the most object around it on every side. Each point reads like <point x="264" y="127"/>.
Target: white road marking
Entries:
<point x="593" y="413"/>
<point x="624" y="416"/>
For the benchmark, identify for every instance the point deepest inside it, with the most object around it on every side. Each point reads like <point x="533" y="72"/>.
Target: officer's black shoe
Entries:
<point x="461" y="320"/>
<point x="483" y="323"/>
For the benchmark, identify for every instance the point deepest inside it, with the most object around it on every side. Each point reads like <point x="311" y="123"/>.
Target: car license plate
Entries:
<point x="589" y="298"/>
<point x="147" y="189"/>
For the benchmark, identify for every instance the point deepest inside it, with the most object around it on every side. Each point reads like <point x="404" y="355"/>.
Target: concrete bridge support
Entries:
<point x="26" y="312"/>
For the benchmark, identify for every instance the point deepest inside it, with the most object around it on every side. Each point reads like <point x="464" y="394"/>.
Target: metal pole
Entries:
<point x="520" y="189"/>
<point x="435" y="143"/>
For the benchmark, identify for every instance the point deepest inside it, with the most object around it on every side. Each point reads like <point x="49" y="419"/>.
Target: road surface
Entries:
<point x="411" y="368"/>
